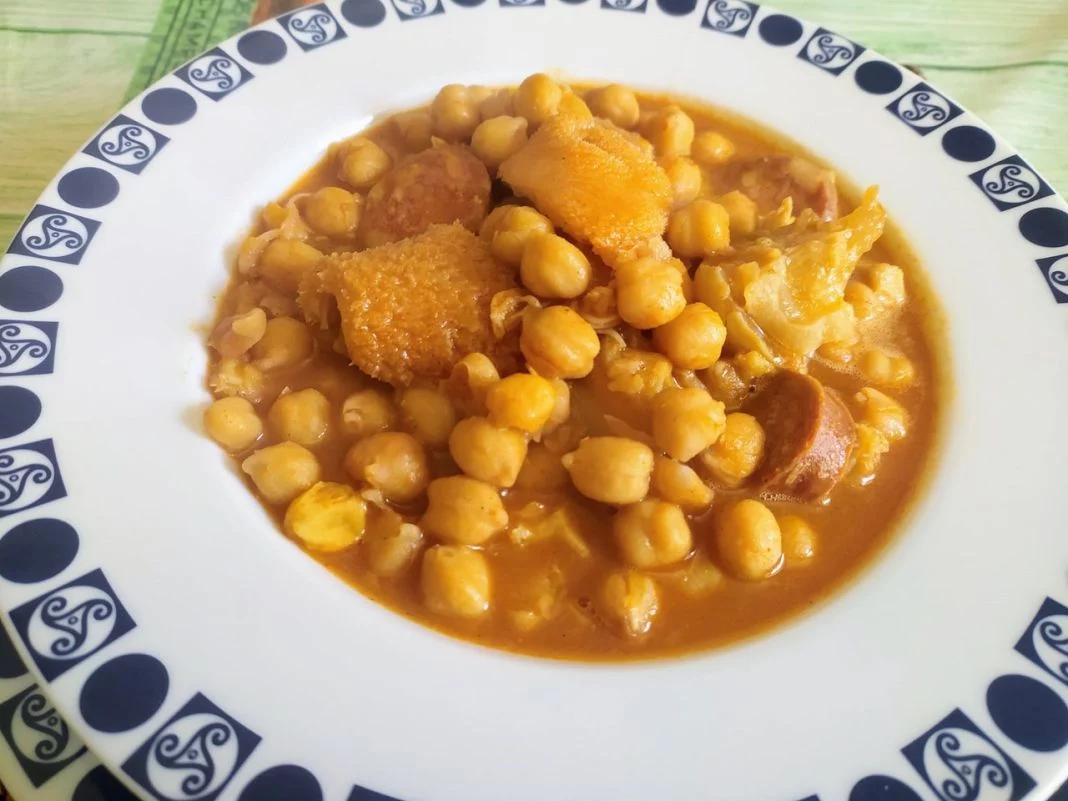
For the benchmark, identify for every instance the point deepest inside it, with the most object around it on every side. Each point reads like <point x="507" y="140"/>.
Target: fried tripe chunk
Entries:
<point x="597" y="183"/>
<point x="412" y="309"/>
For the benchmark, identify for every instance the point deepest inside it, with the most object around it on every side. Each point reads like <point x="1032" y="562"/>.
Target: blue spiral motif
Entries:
<point x="1051" y="632"/>
<point x="1008" y="180"/>
<point x="922" y="107"/>
<point x="194" y="755"/>
<point x="729" y="16"/>
<point x="413" y="8"/>
<point x="830" y="49"/>
<point x="969" y="770"/>
<point x="73" y="623"/>
<point x="127" y="144"/>
<point x="40" y="716"/>
<point x="315" y="26"/>
<point x="1058" y="276"/>
<point x="14" y="344"/>
<point x="13" y="480"/>
<point x="53" y="233"/>
<point x="214" y="72"/>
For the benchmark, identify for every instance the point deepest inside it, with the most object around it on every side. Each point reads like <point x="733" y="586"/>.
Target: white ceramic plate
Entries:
<point x="201" y="655"/>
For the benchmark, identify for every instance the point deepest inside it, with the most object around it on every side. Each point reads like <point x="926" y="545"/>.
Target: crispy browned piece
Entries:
<point x="412" y="309"/>
<point x="595" y="182"/>
<point x="771" y="179"/>
<point x="444" y="184"/>
<point x="810" y="435"/>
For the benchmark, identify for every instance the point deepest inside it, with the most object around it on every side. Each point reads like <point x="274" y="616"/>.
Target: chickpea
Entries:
<point x="391" y="544"/>
<point x="454" y="113"/>
<point x="333" y="211"/>
<point x="542" y="471"/>
<point x="686" y="421"/>
<point x="686" y="180"/>
<point x="232" y="378"/>
<point x="638" y="372"/>
<point x="284" y="263"/>
<point x="517" y="225"/>
<point x="367" y="412"/>
<point x="649" y="292"/>
<point x="863" y="299"/>
<point x="326" y="517"/>
<point x="798" y="539"/>
<point x="561" y="406"/>
<point x="302" y="417"/>
<point x="492" y="223"/>
<point x="737" y="453"/>
<point x="235" y="335"/>
<point x="888" y="282"/>
<point x="671" y="132"/>
<point x="415" y="129"/>
<point x="693" y="340"/>
<point x="428" y="415"/>
<point x="283" y="471"/>
<point x="612" y="470"/>
<point x="538" y="98"/>
<point x="699" y="230"/>
<point x="615" y="103"/>
<point x="488" y="452"/>
<point x="456" y="581"/>
<point x="741" y="210"/>
<point x="286" y="342"/>
<point x="522" y="401"/>
<point x="711" y="148"/>
<point x="887" y="369"/>
<point x="233" y="423"/>
<point x="558" y="343"/>
<point x="498" y="139"/>
<point x="392" y="462"/>
<point x="573" y="105"/>
<point x="883" y="413"/>
<point x="632" y="599"/>
<point x="362" y="163"/>
<point x="652" y="534"/>
<point x="552" y="267"/>
<point x="679" y="484"/>
<point x="463" y="510"/>
<point x="748" y="540"/>
<point x="273" y="215"/>
<point x="470" y="379"/>
<point x="497" y="104"/>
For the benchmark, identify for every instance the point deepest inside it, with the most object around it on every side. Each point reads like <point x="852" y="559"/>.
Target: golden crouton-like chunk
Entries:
<point x="594" y="181"/>
<point x="412" y="309"/>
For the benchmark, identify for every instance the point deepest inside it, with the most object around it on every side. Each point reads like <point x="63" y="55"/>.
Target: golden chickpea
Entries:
<point x="615" y="103"/>
<point x="686" y="180"/>
<point x="686" y="421"/>
<point x="302" y="417"/>
<point x="632" y="599"/>
<point x="671" y="132"/>
<point x="367" y="412"/>
<point x="333" y="211"/>
<point x="542" y="471"/>
<point x="362" y="163"/>
<point x="516" y="226"/>
<point x="391" y="544"/>
<point x="470" y="379"/>
<point x="286" y="342"/>
<point x="233" y="423"/>
<point x="699" y="230"/>
<point x="284" y="263"/>
<point x="649" y="292"/>
<point x="652" y="534"/>
<point x="522" y="401"/>
<point x="573" y="105"/>
<point x="488" y="452"/>
<point x="882" y="412"/>
<point x="392" y="462"/>
<point x="558" y="343"/>
<point x="552" y="267"/>
<point x="693" y="340"/>
<point x="612" y="470"/>
<point x="748" y="540"/>
<point x="679" y="484"/>
<point x="428" y="415"/>
<point x="711" y="148"/>
<point x="415" y="129"/>
<point x="798" y="539"/>
<point x="888" y="282"/>
<point x="737" y="453"/>
<point x="498" y="139"/>
<point x="273" y="215"/>
<point x="232" y="378"/>
<point x="741" y="210"/>
<point x="283" y="471"/>
<point x="456" y="581"/>
<point x="326" y="517"/>
<point x="463" y="510"/>
<point x="887" y="369"/>
<point x="454" y="113"/>
<point x="234" y="336"/>
<point x="492" y="223"/>
<point x="497" y="104"/>
<point x="561" y="406"/>
<point x="538" y="98"/>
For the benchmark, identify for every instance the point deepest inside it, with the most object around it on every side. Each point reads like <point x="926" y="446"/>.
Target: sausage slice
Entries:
<point x="809" y="434"/>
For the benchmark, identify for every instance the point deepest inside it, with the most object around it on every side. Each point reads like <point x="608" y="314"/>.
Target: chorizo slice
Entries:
<point x="809" y="434"/>
<point x="769" y="180"/>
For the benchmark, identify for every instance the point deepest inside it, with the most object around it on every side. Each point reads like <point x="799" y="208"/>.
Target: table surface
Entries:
<point x="1006" y="61"/>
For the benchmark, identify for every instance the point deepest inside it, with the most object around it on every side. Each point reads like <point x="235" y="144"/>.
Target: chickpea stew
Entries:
<point x="579" y="371"/>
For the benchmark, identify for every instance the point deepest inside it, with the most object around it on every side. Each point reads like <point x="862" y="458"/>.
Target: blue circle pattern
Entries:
<point x="968" y="143"/>
<point x="469" y="3"/>
<point x="37" y="550"/>
<point x="88" y="187"/>
<point x="99" y="785"/>
<point x="283" y="783"/>
<point x="780" y="30"/>
<point x="262" y="47"/>
<point x="169" y="106"/>
<point x="677" y="8"/>
<point x="882" y="788"/>
<point x="878" y="77"/>
<point x="363" y="13"/>
<point x="122" y="694"/>
<point x="29" y="288"/>
<point x="1029" y="712"/>
<point x="19" y="409"/>
<point x="1045" y="227"/>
